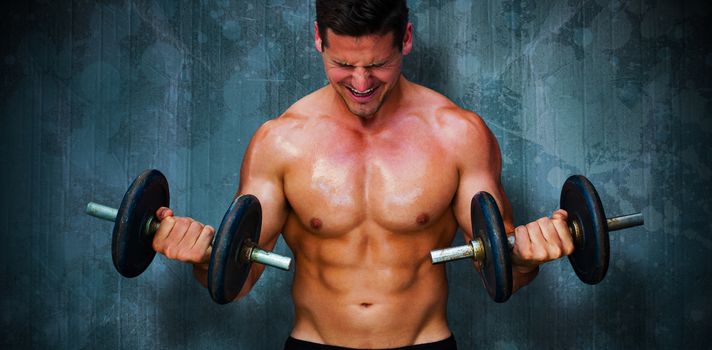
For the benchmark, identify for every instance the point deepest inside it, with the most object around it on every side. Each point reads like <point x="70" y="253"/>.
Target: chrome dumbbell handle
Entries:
<point x="475" y="250"/>
<point x="624" y="221"/>
<point x="253" y="254"/>
<point x="102" y="211"/>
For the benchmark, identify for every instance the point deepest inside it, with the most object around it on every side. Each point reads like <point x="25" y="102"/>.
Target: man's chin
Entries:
<point x="363" y="113"/>
<point x="366" y="111"/>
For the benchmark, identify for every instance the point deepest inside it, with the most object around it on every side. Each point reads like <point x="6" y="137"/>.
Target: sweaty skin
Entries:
<point x="363" y="178"/>
<point x="383" y="196"/>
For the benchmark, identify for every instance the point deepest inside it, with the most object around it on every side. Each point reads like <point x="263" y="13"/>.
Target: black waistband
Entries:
<point x="296" y="344"/>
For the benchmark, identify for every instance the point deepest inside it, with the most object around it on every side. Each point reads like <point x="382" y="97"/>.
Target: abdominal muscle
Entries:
<point x="375" y="290"/>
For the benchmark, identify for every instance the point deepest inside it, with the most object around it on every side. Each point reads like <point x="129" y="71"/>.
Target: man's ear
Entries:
<point x="317" y="39"/>
<point x="407" y="39"/>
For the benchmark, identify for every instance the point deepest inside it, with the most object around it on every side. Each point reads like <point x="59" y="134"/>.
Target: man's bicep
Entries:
<point x="471" y="185"/>
<point x="274" y="209"/>
<point x="480" y="169"/>
<point x="261" y="175"/>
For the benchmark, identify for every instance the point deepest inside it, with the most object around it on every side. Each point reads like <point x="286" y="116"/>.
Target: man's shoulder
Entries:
<point x="287" y="129"/>
<point x="273" y="133"/>
<point x="450" y="119"/>
<point x="305" y="106"/>
<point x="297" y="113"/>
<point x="460" y="130"/>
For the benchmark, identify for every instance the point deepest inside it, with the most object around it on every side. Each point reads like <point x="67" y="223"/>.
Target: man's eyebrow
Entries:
<point x="372" y="65"/>
<point x="338" y="61"/>
<point x="341" y="63"/>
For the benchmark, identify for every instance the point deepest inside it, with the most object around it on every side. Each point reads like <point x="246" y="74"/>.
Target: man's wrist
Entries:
<point x="525" y="269"/>
<point x="201" y="266"/>
<point x="200" y="272"/>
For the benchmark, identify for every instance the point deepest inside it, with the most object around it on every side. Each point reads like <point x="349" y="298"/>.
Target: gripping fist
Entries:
<point x="541" y="241"/>
<point x="182" y="238"/>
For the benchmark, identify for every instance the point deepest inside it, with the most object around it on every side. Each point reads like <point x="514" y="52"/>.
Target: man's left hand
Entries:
<point x="540" y="241"/>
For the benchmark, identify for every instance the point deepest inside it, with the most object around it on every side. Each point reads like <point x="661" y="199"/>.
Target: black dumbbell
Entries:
<point x="234" y="244"/>
<point x="586" y="219"/>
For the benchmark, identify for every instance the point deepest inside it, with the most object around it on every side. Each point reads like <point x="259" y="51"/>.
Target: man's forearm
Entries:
<point x="522" y="275"/>
<point x="200" y="272"/>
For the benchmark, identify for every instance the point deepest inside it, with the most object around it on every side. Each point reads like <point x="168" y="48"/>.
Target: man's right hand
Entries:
<point x="183" y="239"/>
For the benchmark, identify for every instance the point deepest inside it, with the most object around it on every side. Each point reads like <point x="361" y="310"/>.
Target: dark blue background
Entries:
<point x="93" y="92"/>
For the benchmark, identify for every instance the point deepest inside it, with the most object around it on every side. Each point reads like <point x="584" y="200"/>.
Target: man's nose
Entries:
<point x="360" y="79"/>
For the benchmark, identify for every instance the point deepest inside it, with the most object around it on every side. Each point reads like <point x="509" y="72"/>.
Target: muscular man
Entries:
<point x="364" y="177"/>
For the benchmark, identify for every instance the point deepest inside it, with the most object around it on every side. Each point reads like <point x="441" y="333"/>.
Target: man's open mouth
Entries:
<point x="362" y="94"/>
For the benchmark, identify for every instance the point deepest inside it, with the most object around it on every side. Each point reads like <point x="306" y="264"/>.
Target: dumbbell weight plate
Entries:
<point x="590" y="257"/>
<point x="487" y="225"/>
<point x="228" y="270"/>
<point x="131" y="246"/>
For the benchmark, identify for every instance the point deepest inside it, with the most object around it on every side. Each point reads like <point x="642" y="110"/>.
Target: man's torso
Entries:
<point x="367" y="204"/>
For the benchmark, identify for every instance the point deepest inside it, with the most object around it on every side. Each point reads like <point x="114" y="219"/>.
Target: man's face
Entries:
<point x="363" y="70"/>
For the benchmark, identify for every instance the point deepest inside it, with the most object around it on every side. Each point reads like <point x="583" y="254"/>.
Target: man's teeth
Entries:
<point x="361" y="93"/>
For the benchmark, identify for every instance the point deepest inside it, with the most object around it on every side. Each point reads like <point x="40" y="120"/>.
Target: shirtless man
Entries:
<point x="364" y="177"/>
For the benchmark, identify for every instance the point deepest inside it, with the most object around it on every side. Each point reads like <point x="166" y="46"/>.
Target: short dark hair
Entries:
<point x="362" y="17"/>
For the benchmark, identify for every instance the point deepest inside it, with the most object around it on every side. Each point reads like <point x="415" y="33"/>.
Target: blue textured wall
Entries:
<point x="91" y="93"/>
